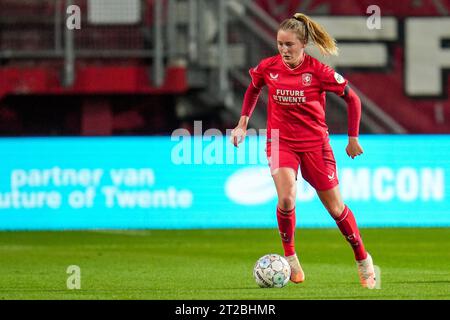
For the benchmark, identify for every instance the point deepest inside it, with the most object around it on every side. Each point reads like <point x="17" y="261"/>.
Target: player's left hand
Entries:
<point x="353" y="149"/>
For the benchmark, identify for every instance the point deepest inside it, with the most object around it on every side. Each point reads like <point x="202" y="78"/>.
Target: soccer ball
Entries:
<point x="272" y="270"/>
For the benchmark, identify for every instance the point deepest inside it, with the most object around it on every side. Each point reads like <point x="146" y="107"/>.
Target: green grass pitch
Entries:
<point x="217" y="264"/>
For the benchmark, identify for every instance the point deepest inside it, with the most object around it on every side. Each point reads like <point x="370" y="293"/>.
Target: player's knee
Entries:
<point x="336" y="209"/>
<point x="286" y="202"/>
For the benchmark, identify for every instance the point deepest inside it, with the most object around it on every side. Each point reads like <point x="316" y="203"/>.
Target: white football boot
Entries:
<point x="297" y="274"/>
<point x="366" y="272"/>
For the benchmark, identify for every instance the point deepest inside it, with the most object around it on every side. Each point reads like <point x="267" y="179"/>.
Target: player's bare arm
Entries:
<point x="238" y="134"/>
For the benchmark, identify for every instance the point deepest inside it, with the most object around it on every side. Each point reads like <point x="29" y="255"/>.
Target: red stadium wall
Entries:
<point x="90" y="79"/>
<point x="92" y="84"/>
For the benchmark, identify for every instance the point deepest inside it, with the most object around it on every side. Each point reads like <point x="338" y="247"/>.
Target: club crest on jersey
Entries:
<point x="306" y="79"/>
<point x="273" y="76"/>
<point x="339" y="79"/>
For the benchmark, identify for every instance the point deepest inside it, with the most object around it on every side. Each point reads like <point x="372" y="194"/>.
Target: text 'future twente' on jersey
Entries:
<point x="297" y="99"/>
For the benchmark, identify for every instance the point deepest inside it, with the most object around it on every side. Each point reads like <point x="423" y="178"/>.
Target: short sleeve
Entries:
<point x="332" y="81"/>
<point x="257" y="76"/>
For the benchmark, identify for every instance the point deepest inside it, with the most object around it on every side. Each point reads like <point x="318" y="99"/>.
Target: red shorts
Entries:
<point x="318" y="167"/>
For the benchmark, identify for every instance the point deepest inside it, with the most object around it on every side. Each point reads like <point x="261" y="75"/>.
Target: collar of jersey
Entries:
<point x="297" y="67"/>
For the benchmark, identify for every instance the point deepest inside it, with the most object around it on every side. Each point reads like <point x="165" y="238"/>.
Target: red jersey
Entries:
<point x="297" y="99"/>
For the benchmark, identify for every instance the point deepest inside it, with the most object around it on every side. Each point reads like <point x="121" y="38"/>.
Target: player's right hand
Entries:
<point x="353" y="148"/>
<point x="238" y="135"/>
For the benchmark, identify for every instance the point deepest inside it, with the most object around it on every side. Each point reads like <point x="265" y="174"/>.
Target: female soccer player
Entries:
<point x="296" y="120"/>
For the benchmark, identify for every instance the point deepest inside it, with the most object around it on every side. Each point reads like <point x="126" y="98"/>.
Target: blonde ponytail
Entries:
<point x="307" y="29"/>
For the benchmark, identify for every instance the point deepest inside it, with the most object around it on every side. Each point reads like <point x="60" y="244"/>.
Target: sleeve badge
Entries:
<point x="339" y="79"/>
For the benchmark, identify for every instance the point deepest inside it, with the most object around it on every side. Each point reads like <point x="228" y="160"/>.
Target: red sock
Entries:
<point x="286" y="226"/>
<point x="347" y="224"/>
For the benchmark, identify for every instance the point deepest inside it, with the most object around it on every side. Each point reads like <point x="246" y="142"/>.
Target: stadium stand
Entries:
<point x="150" y="67"/>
